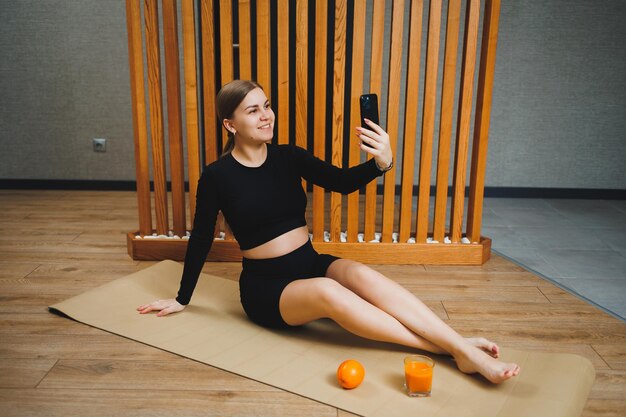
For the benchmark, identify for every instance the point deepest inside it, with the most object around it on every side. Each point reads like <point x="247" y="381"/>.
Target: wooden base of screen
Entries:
<point x="369" y="253"/>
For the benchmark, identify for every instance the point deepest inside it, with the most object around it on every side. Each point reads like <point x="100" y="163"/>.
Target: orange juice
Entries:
<point x="418" y="371"/>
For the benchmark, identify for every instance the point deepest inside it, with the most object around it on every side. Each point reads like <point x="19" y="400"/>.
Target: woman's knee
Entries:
<point x="310" y="299"/>
<point x="352" y="273"/>
<point x="325" y="296"/>
<point x="334" y="298"/>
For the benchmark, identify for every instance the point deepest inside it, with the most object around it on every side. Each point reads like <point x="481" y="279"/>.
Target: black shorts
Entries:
<point x="262" y="281"/>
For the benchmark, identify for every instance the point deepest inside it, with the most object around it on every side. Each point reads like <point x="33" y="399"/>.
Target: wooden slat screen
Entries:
<point x="325" y="55"/>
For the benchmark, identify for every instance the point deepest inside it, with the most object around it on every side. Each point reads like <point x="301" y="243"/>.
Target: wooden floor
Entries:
<point x="56" y="244"/>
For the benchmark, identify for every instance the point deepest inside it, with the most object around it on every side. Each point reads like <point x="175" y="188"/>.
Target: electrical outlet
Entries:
<point x="99" y="145"/>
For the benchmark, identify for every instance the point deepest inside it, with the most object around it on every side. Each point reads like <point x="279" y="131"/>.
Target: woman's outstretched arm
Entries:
<point x="198" y="248"/>
<point x="347" y="180"/>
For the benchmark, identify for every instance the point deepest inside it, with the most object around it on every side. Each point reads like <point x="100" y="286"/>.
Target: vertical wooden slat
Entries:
<point x="156" y="114"/>
<point x="142" y="170"/>
<point x="376" y="75"/>
<point x="174" y="115"/>
<point x="302" y="27"/>
<point x="225" y="39"/>
<point x="302" y="33"/>
<point x="339" y="67"/>
<point x="227" y="68"/>
<point x="283" y="71"/>
<point x="482" y="118"/>
<point x="245" y="44"/>
<point x="226" y="48"/>
<point x="393" y="109"/>
<point x="358" y="56"/>
<point x="208" y="79"/>
<point x="226" y="42"/>
<point x="263" y="51"/>
<point x="463" y="124"/>
<point x="445" y="126"/>
<point x="428" y="120"/>
<point x="319" y="112"/>
<point x="410" y="119"/>
<point x="191" y="101"/>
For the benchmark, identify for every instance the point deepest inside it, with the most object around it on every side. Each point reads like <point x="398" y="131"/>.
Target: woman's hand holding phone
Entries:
<point x="373" y="139"/>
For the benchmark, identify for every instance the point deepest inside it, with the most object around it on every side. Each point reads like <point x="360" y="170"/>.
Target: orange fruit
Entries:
<point x="350" y="374"/>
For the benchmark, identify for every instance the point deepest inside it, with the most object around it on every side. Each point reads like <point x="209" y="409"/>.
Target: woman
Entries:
<point x="284" y="281"/>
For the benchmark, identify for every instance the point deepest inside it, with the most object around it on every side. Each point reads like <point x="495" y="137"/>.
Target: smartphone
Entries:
<point x="369" y="109"/>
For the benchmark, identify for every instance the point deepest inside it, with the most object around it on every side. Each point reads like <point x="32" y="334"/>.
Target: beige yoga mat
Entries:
<point x="214" y="330"/>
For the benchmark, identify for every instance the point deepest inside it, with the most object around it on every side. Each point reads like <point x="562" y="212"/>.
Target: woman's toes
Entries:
<point x="495" y="350"/>
<point x="492" y="369"/>
<point x="485" y="345"/>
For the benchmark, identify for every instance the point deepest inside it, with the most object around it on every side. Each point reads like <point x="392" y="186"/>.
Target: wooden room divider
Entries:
<point x="314" y="59"/>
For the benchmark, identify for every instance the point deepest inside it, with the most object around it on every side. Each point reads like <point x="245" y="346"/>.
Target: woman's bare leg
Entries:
<point x="411" y="312"/>
<point x="303" y="301"/>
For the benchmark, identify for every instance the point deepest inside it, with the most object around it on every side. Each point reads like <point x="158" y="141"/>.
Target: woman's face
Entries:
<point x="253" y="118"/>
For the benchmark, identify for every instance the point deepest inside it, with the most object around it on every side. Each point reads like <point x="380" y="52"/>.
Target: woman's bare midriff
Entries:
<point x="281" y="245"/>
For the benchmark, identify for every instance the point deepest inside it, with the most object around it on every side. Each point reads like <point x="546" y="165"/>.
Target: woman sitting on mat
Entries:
<point x="285" y="282"/>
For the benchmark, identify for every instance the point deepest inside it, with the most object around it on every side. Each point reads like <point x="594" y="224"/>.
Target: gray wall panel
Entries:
<point x="560" y="95"/>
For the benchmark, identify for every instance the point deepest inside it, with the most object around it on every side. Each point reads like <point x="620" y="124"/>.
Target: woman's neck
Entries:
<point x="250" y="154"/>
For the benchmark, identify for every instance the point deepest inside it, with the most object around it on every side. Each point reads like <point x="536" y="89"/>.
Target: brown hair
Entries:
<point x="228" y="99"/>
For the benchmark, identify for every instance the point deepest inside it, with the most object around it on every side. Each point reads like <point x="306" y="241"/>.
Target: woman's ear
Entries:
<point x="228" y="124"/>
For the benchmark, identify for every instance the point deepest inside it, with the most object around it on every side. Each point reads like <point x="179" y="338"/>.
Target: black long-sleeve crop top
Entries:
<point x="260" y="203"/>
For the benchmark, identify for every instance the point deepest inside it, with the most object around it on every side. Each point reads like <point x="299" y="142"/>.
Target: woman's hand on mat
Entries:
<point x="164" y="307"/>
<point x="375" y="141"/>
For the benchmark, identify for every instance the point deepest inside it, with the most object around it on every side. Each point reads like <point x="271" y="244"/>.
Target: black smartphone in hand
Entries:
<point x="369" y="109"/>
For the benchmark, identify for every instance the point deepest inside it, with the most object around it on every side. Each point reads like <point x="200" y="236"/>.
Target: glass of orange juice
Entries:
<point x="418" y="372"/>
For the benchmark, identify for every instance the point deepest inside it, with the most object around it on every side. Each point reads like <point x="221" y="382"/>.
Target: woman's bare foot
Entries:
<point x="477" y="361"/>
<point x="485" y="345"/>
